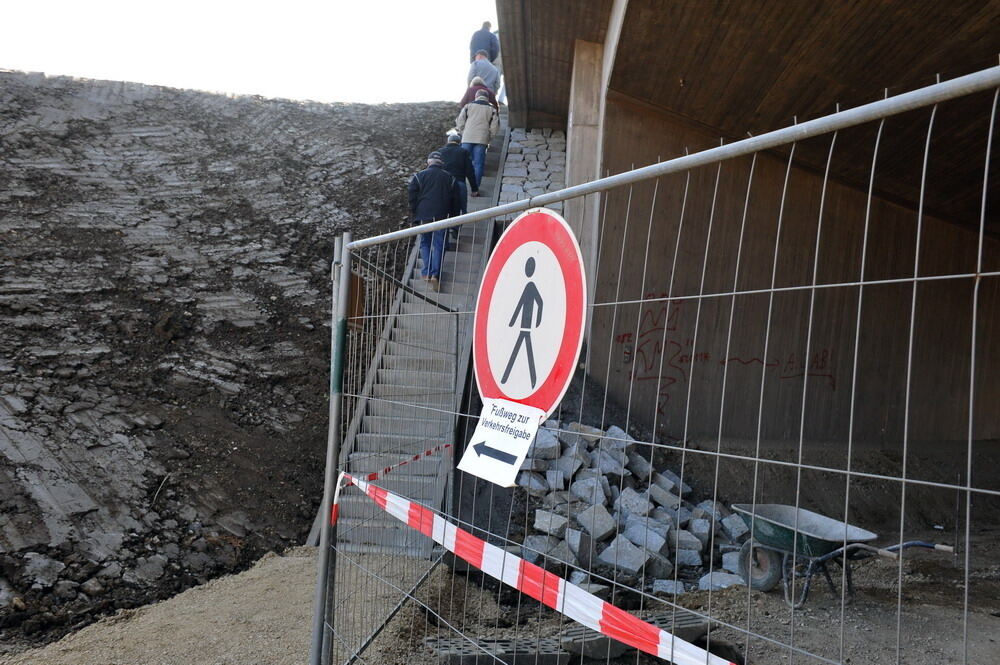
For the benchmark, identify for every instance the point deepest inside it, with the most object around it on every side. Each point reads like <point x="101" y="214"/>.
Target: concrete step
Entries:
<point x="419" y="488"/>
<point x="417" y="351"/>
<point x="447" y="288"/>
<point x="417" y="307"/>
<point x="417" y="363"/>
<point x="394" y="409"/>
<point x="425" y="332"/>
<point x="435" y="325"/>
<point x="437" y="397"/>
<point x="421" y="427"/>
<point x="463" y="258"/>
<point x="366" y="462"/>
<point x="401" y="377"/>
<point x="398" y="444"/>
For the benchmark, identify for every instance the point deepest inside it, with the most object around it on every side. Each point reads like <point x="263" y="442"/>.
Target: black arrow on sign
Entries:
<point x="482" y="449"/>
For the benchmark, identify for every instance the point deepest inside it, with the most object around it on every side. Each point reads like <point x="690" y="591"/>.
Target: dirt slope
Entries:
<point x="164" y="263"/>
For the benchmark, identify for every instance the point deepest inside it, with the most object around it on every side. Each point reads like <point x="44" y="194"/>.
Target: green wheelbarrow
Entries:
<point x="792" y="544"/>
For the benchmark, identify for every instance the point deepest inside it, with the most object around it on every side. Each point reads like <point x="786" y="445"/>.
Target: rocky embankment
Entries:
<point x="164" y="262"/>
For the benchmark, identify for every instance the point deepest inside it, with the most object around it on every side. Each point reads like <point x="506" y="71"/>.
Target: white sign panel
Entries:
<point x="501" y="441"/>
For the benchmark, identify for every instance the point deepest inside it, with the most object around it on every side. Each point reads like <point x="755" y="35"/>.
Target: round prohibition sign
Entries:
<point x="530" y="313"/>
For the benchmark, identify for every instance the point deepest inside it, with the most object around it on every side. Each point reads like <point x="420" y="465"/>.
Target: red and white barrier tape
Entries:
<point x="375" y="475"/>
<point x="548" y="588"/>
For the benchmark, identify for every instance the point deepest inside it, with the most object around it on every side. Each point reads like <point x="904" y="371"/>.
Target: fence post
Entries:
<point x="341" y="277"/>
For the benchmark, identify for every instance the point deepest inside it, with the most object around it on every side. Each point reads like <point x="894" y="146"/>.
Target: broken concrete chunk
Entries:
<point x="650" y="523"/>
<point x="713" y="509"/>
<point x="532" y="464"/>
<point x="624" y="556"/>
<point x="550" y="523"/>
<point x="577" y="433"/>
<point x="664" y="498"/>
<point x="619" y="439"/>
<point x="558" y="498"/>
<point x="670" y="475"/>
<point x="688" y="558"/>
<point x="663" y="482"/>
<point x="735" y="527"/>
<point x="676" y="518"/>
<point x="731" y="562"/>
<point x="545" y="446"/>
<point x="645" y="538"/>
<point x="567" y="465"/>
<point x="658" y="565"/>
<point x="606" y="484"/>
<point x="701" y="529"/>
<point x="555" y="479"/>
<point x="535" y="546"/>
<point x="639" y="465"/>
<point x="597" y="521"/>
<point x="590" y="490"/>
<point x="533" y="482"/>
<point x="718" y="580"/>
<point x="682" y="539"/>
<point x="634" y="502"/>
<point x="581" y="545"/>
<point x="606" y="463"/>
<point x="561" y="553"/>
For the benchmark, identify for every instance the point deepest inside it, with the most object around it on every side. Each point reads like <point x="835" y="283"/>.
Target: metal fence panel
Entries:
<point x="764" y="341"/>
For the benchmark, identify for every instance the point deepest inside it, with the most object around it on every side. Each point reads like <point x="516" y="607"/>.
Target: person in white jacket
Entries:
<point x="478" y="123"/>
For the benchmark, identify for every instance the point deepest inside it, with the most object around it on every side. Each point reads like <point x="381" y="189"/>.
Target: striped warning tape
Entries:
<point x="375" y="475"/>
<point x="532" y="580"/>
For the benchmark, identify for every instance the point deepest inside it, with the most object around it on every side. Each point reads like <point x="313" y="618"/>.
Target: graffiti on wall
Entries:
<point x="660" y="353"/>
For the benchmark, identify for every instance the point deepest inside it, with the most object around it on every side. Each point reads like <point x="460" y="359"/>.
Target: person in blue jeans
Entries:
<point x="478" y="122"/>
<point x="433" y="196"/>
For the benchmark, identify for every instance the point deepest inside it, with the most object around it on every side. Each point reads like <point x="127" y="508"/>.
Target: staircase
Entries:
<point x="419" y="373"/>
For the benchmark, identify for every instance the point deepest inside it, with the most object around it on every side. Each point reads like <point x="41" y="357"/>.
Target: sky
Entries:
<point x="329" y="51"/>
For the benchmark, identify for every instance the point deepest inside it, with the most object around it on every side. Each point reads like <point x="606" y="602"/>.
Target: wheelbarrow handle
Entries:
<point x="921" y="543"/>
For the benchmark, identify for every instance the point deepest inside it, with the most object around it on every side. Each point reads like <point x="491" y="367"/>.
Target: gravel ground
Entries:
<point x="262" y="616"/>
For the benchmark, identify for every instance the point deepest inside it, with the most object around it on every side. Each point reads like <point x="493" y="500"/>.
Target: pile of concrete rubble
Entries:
<point x="610" y="512"/>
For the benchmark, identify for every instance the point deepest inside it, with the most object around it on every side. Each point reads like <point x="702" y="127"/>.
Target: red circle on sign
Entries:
<point x="550" y="229"/>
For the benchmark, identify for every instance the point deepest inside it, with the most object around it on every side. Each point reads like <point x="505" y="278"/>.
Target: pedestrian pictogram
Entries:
<point x="526" y="339"/>
<point x="526" y="307"/>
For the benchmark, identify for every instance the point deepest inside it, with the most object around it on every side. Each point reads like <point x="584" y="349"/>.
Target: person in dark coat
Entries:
<point x="475" y="85"/>
<point x="458" y="162"/>
<point x="433" y="196"/>
<point x="485" y="40"/>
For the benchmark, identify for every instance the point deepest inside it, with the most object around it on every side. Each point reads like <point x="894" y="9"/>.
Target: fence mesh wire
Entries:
<point x="761" y="333"/>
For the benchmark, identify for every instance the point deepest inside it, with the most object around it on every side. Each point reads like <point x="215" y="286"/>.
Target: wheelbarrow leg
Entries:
<point x="850" y="581"/>
<point x="795" y="601"/>
<point x="829" y="579"/>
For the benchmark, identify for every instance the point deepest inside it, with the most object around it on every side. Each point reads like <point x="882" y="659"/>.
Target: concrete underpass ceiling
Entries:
<point x="739" y="67"/>
<point x="537" y="39"/>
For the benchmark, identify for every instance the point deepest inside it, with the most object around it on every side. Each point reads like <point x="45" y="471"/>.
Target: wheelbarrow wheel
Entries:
<point x="761" y="568"/>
